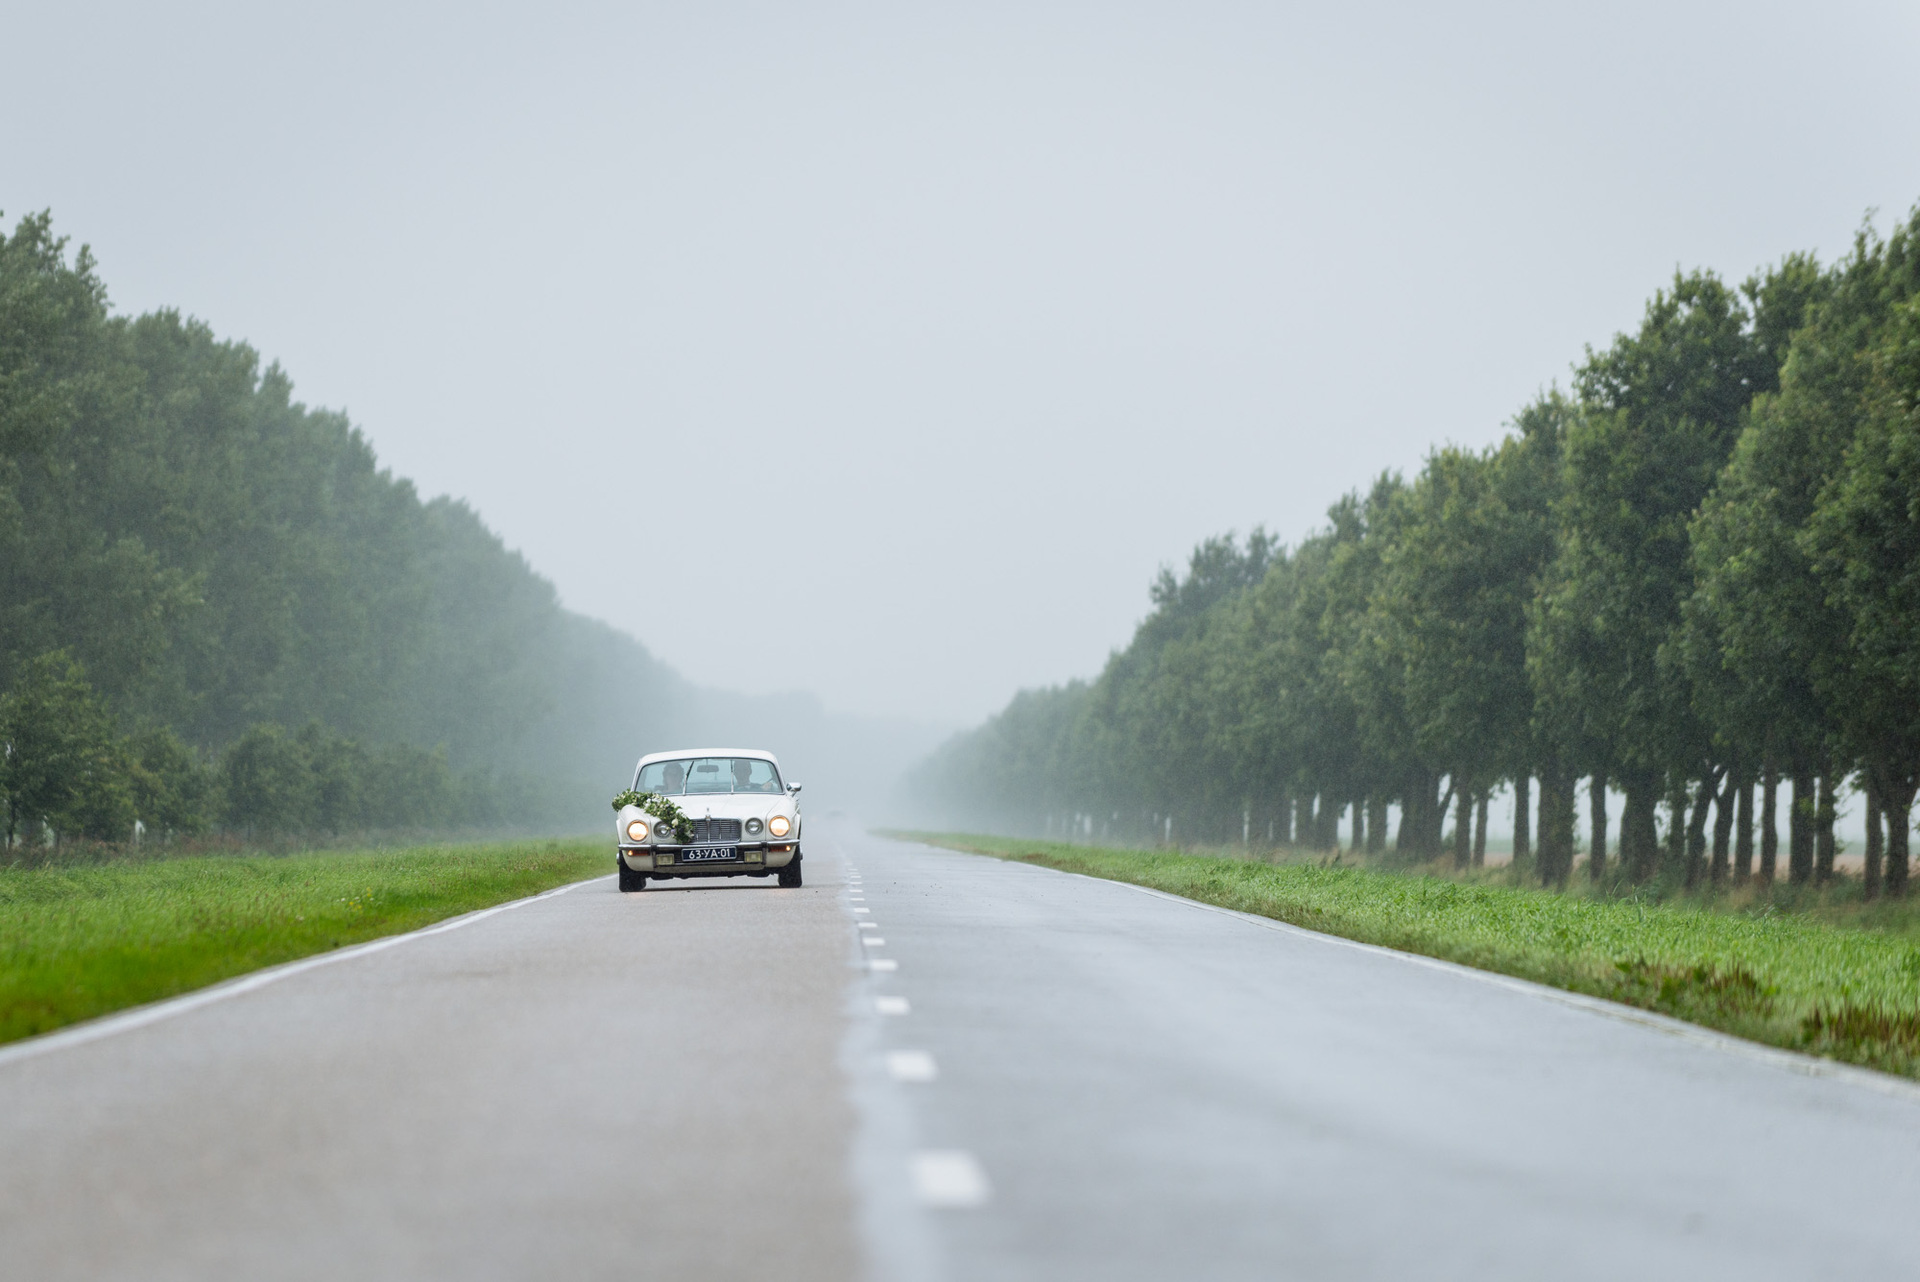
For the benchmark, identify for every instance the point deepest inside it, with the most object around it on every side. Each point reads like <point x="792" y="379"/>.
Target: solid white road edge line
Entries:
<point x="141" y="1016"/>
<point x="1727" y="1043"/>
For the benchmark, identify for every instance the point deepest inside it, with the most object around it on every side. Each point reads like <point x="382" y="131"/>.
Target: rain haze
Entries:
<point x="937" y="329"/>
<point x="469" y="420"/>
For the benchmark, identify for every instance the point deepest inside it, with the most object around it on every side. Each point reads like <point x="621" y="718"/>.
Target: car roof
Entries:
<point x="679" y="753"/>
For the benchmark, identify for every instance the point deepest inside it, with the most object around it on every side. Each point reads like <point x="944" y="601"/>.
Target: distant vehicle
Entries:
<point x="740" y="818"/>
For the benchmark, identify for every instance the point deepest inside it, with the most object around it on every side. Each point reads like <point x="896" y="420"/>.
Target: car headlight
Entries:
<point x="753" y="827"/>
<point x="637" y="830"/>
<point x="663" y="830"/>
<point x="779" y="825"/>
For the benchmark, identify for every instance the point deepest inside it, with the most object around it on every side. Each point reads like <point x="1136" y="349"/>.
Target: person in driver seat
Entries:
<point x="676" y="778"/>
<point x="742" y="774"/>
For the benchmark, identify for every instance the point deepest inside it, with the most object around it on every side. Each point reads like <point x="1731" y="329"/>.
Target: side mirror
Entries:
<point x="793" y="787"/>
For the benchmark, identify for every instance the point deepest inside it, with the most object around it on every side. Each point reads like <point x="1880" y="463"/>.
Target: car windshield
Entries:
<point x="691" y="775"/>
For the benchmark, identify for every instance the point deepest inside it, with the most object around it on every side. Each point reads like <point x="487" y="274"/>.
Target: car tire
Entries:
<point x="790" y="875"/>
<point x="629" y="879"/>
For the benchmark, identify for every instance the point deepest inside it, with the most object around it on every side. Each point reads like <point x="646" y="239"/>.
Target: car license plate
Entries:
<point x="702" y="854"/>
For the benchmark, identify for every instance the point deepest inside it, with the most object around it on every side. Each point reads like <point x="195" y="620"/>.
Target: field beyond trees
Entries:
<point x="1839" y="979"/>
<point x="81" y="941"/>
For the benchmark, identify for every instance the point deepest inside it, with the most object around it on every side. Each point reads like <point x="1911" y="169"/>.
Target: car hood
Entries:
<point x="734" y="805"/>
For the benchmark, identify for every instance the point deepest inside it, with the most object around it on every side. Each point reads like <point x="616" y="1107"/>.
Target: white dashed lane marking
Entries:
<point x="872" y="941"/>
<point x="863" y="910"/>
<point x="869" y="925"/>
<point x="949" y="1178"/>
<point x="892" y="1005"/>
<point x="883" y="963"/>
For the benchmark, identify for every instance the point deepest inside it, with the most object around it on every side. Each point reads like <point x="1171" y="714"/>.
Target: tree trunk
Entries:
<point x="1522" y="820"/>
<point x="1800" y="828"/>
<point x="1876" y="841"/>
<point x="1303" y="819"/>
<point x="1376" y="825"/>
<point x="1406" y="842"/>
<point x="1723" y="826"/>
<point x="1597" y="823"/>
<point x="1674" y="854"/>
<point x="1639" y="842"/>
<point x="1697" y="830"/>
<point x="1480" y="831"/>
<point x="1896" y="802"/>
<point x="1462" y="827"/>
<point x="1410" y="810"/>
<point x="1549" y="855"/>
<point x="1568" y="807"/>
<point x="1769" y="825"/>
<point x="1743" y="832"/>
<point x="1823" y="820"/>
<point x="1556" y="826"/>
<point x="1437" y="818"/>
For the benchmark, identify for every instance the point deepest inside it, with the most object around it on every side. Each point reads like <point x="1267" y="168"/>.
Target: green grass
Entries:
<point x="80" y="941"/>
<point x="1837" y="980"/>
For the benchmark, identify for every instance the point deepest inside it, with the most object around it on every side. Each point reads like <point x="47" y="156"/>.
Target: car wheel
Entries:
<point x="790" y="875"/>
<point x="629" y="879"/>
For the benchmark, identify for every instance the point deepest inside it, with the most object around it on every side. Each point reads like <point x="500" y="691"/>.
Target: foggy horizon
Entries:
<point x="934" y="334"/>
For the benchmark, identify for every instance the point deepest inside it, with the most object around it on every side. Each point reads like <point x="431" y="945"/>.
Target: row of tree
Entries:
<point x="1692" y="579"/>
<point x="67" y="771"/>
<point x="217" y="557"/>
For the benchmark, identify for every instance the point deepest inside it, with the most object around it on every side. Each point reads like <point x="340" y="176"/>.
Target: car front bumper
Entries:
<point x="754" y="857"/>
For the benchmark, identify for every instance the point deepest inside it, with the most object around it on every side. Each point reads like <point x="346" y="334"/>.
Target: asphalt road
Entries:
<point x="926" y="1065"/>
<point x="592" y="1085"/>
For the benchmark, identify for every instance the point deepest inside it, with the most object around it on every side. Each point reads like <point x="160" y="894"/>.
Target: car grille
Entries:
<point x="713" y="831"/>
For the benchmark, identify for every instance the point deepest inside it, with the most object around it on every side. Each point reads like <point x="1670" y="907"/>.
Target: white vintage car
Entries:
<point x="745" y="819"/>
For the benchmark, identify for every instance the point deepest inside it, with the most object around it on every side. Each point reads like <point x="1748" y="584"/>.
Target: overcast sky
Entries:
<point x="886" y="350"/>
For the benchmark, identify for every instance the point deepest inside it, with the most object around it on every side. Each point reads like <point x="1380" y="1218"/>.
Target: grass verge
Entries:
<point x="1786" y="979"/>
<point x="76" y="942"/>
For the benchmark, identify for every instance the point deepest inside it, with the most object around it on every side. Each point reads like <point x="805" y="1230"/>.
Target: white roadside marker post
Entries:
<point x="948" y="1178"/>
<point x="911" y="1066"/>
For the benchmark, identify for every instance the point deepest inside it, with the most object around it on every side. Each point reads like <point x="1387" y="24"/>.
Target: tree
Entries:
<point x="173" y="793"/>
<point x="1758" y="621"/>
<point x="63" y="765"/>
<point x="1451" y="607"/>
<point x="270" y="785"/>
<point x="1662" y="409"/>
<point x="1865" y="538"/>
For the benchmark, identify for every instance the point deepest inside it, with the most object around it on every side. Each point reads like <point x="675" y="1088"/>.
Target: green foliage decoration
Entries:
<point x="660" y="808"/>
